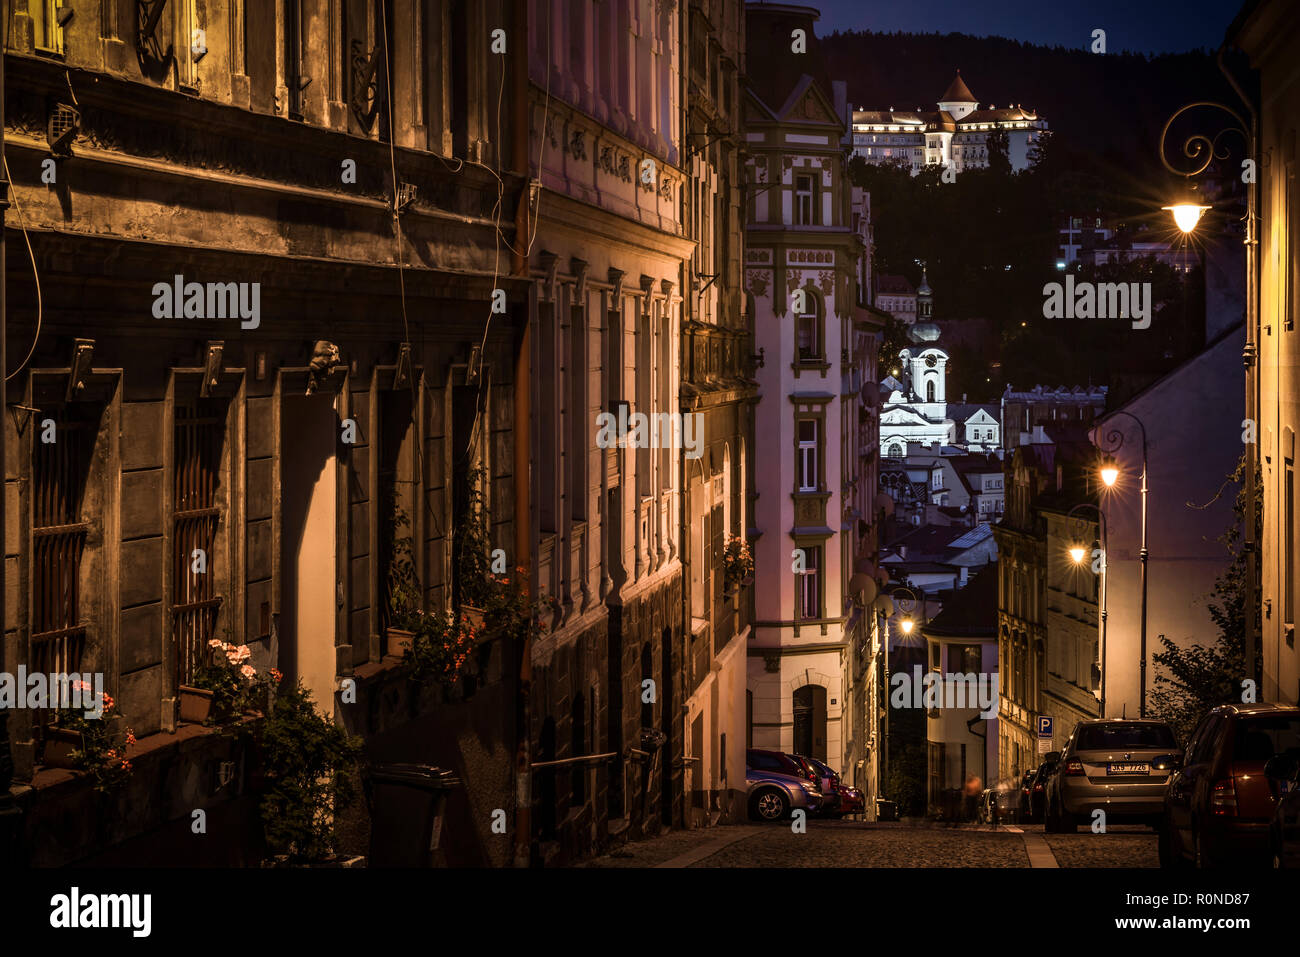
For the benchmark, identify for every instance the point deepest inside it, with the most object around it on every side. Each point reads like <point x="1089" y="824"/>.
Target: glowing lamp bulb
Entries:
<point x="1077" y="553"/>
<point x="1110" y="475"/>
<point x="1187" y="215"/>
<point x="907" y="626"/>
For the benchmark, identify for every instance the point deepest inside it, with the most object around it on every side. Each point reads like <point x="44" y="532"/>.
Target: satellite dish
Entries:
<point x="864" y="585"/>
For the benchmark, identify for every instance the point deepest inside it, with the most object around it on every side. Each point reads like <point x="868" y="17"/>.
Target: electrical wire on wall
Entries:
<point x="484" y="381"/>
<point x="22" y="221"/>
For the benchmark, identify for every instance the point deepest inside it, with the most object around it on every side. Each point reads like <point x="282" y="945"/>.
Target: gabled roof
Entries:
<point x="893" y="284"/>
<point x="958" y="92"/>
<point x="971" y="611"/>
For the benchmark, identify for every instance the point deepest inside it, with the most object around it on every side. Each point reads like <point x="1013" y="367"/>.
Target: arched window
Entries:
<point x="808" y="327"/>
<point x="929" y="391"/>
<point x="896" y="451"/>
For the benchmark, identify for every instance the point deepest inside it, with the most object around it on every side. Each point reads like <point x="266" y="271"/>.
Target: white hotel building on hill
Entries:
<point x="957" y="134"/>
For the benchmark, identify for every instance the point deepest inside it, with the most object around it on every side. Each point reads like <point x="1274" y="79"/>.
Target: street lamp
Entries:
<point x="1114" y="441"/>
<point x="1109" y="471"/>
<point x="1078" y="553"/>
<point x="1200" y="150"/>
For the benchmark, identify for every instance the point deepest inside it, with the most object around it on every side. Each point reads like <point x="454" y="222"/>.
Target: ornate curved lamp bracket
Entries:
<point x="1201" y="149"/>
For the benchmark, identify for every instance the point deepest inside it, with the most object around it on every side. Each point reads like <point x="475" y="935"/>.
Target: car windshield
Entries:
<point x="1260" y="737"/>
<point x="1124" y="737"/>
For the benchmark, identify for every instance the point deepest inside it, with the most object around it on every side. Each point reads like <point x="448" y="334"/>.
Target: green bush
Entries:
<point x="309" y="763"/>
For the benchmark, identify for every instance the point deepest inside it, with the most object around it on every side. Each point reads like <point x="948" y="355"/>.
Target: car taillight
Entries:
<point x="1074" y="767"/>
<point x="1223" y="798"/>
<point x="1038" y="787"/>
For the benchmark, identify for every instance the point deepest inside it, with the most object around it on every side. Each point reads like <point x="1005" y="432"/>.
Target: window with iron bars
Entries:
<point x="200" y="430"/>
<point x="59" y="470"/>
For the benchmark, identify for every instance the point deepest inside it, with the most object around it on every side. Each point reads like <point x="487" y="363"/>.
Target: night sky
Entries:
<point x="1146" y="26"/>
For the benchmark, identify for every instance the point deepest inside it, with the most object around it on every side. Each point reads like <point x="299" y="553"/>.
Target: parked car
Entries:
<point x="772" y="795"/>
<point x="828" y="781"/>
<point x="1109" y="764"/>
<point x="1025" y="778"/>
<point x="1220" y="805"/>
<point x="852" y="801"/>
<point x="1035" y="792"/>
<point x="1283" y="773"/>
<point x="763" y="759"/>
<point x="998" y="805"/>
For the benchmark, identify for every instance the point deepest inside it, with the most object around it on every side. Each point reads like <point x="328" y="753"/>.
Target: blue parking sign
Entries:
<point x="1044" y="725"/>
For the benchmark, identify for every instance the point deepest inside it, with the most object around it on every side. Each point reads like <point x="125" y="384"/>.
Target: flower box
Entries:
<point x="398" y="641"/>
<point x="59" y="745"/>
<point x="196" y="704"/>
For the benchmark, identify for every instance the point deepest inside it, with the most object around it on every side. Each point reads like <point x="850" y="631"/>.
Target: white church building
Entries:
<point x="915" y="409"/>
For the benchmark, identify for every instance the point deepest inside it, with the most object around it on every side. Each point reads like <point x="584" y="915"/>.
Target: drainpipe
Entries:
<point x="9" y="813"/>
<point x="1249" y="358"/>
<point x="522" y="436"/>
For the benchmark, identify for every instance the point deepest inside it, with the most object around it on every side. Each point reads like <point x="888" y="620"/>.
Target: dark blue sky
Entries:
<point x="1146" y="26"/>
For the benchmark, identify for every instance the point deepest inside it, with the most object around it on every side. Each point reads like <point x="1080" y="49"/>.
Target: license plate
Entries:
<point x="1128" y="768"/>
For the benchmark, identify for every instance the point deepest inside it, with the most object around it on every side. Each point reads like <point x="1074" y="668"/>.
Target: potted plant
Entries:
<point x="403" y="586"/>
<point x="225" y="684"/>
<point x="472" y="554"/>
<point x="738" y="563"/>
<point x="195" y="704"/>
<point x="61" y="745"/>
<point x="100" y="745"/>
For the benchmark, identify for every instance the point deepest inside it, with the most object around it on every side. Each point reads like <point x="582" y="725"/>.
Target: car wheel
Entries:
<point x="769" y="805"/>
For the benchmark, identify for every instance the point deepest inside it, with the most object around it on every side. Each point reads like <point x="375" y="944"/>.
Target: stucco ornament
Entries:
<point x="324" y="357"/>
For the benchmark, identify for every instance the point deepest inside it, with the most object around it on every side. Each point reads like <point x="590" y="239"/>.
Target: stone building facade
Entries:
<point x="1267" y="32"/>
<point x="340" y="166"/>
<point x="718" y="387"/>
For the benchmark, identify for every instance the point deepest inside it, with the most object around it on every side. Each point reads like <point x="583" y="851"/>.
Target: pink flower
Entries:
<point x="215" y="643"/>
<point x="248" y="671"/>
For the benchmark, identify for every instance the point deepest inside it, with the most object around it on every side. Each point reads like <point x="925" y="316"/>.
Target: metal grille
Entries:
<point x="200" y="431"/>
<point x="59" y="539"/>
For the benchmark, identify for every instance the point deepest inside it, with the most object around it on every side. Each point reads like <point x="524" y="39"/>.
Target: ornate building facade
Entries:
<point x="803" y="256"/>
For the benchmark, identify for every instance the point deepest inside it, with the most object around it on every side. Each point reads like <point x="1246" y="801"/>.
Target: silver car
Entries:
<point x="1109" y="764"/>
<point x="773" y="796"/>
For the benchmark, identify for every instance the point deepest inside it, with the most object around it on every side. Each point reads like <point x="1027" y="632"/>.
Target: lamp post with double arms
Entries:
<point x="1114" y="441"/>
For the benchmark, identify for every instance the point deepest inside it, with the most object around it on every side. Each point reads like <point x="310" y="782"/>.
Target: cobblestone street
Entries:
<point x="857" y="844"/>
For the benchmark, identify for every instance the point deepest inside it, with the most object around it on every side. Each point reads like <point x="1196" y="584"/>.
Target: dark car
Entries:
<point x="1220" y="806"/>
<point x="1109" y="765"/>
<point x="1035" y="792"/>
<point x="1025" y="779"/>
<point x="1283" y="773"/>
<point x="780" y="763"/>
<point x="827" y="780"/>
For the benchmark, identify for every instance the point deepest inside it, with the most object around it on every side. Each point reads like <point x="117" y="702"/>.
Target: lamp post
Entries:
<point x="1200" y="150"/>
<point x="1114" y="441"/>
<point x="905" y="605"/>
<point x="1078" y="554"/>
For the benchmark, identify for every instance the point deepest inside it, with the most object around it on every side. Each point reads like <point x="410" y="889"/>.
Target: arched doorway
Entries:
<point x="810" y="722"/>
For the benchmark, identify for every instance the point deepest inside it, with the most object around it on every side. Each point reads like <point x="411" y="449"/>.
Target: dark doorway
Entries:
<point x="810" y="722"/>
